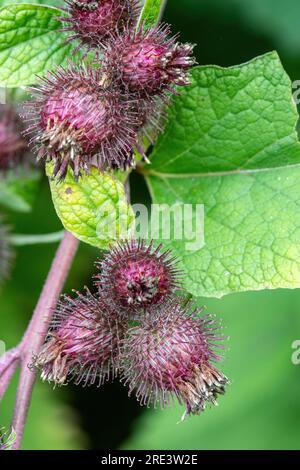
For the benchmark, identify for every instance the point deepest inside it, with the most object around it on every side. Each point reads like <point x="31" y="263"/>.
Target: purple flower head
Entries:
<point x="170" y="355"/>
<point x="149" y="61"/>
<point x="94" y="21"/>
<point x="135" y="276"/>
<point x="82" y="344"/>
<point x="76" y="121"/>
<point x="5" y="252"/>
<point x="12" y="144"/>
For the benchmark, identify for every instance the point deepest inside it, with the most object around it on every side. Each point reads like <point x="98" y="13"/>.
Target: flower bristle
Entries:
<point x="170" y="356"/>
<point x="77" y="122"/>
<point x="83" y="342"/>
<point x="12" y="143"/>
<point x="135" y="275"/>
<point x="93" y="22"/>
<point x="149" y="61"/>
<point x="6" y="253"/>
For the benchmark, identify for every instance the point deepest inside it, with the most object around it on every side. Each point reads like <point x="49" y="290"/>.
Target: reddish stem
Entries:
<point x="38" y="327"/>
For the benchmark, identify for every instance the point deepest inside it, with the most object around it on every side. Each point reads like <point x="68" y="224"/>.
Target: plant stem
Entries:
<point x="22" y="240"/>
<point x="38" y="327"/>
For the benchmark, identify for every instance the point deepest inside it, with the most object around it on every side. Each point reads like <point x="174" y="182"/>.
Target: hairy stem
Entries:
<point x="38" y="327"/>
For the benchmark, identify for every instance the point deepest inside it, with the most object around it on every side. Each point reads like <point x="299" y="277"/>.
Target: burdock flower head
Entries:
<point x="94" y="21"/>
<point x="135" y="275"/>
<point x="12" y="144"/>
<point x="149" y="61"/>
<point x="82" y="344"/>
<point x="171" y="355"/>
<point x="5" y="252"/>
<point x="78" y="122"/>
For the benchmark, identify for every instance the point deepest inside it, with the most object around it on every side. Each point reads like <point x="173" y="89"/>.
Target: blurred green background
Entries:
<point x="261" y="409"/>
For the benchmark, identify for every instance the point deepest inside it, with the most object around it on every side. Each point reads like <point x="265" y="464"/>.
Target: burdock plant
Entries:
<point x="112" y="90"/>
<point x="85" y="119"/>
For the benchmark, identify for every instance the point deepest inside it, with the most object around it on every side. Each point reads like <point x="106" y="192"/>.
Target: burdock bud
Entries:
<point x="135" y="275"/>
<point x="12" y="144"/>
<point x="5" y="252"/>
<point x="149" y="61"/>
<point x="77" y="122"/>
<point x="82" y="344"/>
<point x="94" y="21"/>
<point x="170" y="355"/>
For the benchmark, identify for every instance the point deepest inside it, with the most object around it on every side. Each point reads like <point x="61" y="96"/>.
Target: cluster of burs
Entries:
<point x="100" y="109"/>
<point x="135" y="327"/>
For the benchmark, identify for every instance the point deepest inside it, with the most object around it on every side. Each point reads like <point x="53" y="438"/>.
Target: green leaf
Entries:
<point x="226" y="144"/>
<point x="262" y="329"/>
<point x="231" y="119"/>
<point x="18" y="189"/>
<point x="29" y="43"/>
<point x="150" y="12"/>
<point x="95" y="209"/>
<point x="252" y="229"/>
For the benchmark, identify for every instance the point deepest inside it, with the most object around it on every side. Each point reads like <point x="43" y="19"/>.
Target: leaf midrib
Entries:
<point x="146" y="171"/>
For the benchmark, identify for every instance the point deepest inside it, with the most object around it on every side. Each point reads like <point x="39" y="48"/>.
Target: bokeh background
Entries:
<point x="261" y="409"/>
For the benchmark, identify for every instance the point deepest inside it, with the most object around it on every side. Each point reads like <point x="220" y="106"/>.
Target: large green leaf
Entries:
<point x="30" y="43"/>
<point x="231" y="119"/>
<point x="228" y="139"/>
<point x="95" y="209"/>
<point x="252" y="230"/>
